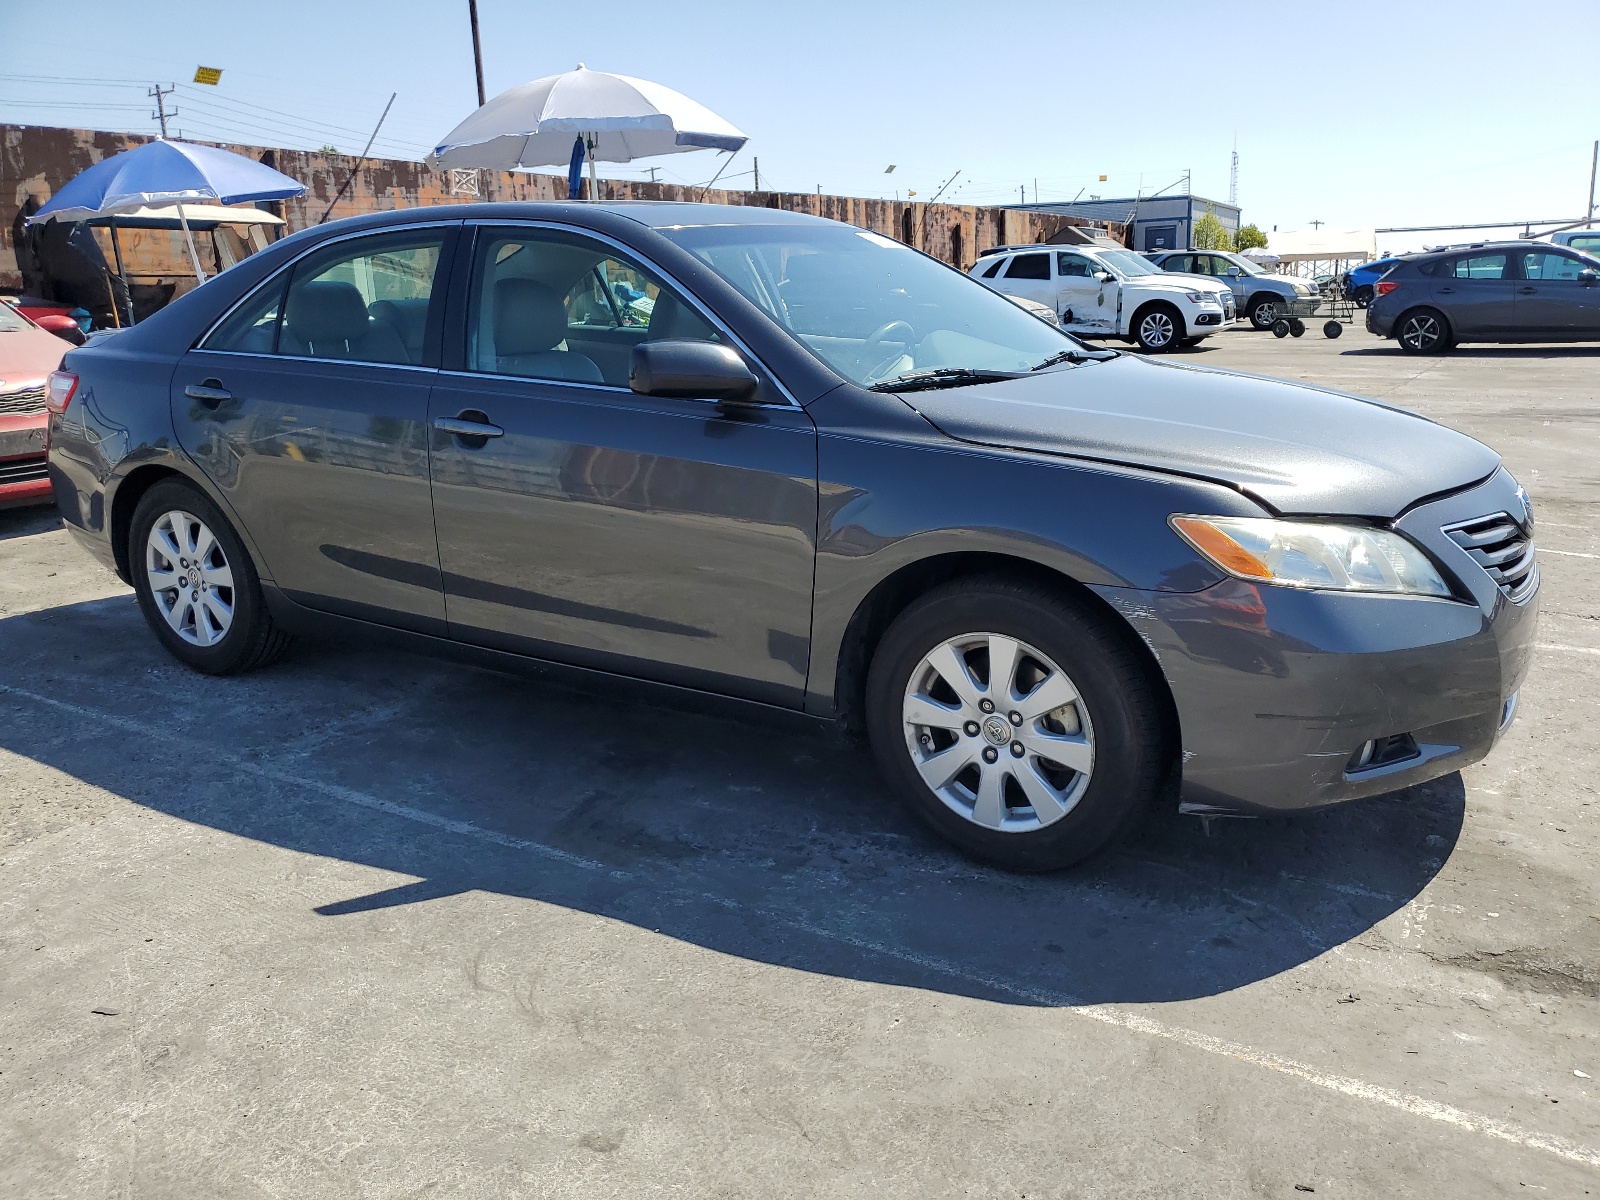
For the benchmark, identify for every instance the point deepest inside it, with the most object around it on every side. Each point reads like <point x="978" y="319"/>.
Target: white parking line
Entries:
<point x="1134" y="1022"/>
<point x="1567" y="649"/>
<point x="1567" y="553"/>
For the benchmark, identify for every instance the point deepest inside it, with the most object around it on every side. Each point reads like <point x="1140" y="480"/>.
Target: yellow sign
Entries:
<point x="211" y="75"/>
<point x="1102" y="179"/>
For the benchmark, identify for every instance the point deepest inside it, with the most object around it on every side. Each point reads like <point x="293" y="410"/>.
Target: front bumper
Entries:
<point x="23" y="475"/>
<point x="1278" y="689"/>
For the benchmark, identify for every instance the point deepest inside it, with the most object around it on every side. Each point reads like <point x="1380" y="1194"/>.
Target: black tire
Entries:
<point x="1280" y="328"/>
<point x="1362" y="295"/>
<point x="1265" y="311"/>
<point x="252" y="639"/>
<point x="1103" y="664"/>
<point x="1423" y="331"/>
<point x="1158" y="328"/>
<point x="1297" y="327"/>
<point x="1332" y="329"/>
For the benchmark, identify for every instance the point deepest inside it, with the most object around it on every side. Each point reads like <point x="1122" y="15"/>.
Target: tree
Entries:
<point x="1210" y="234"/>
<point x="1249" y="238"/>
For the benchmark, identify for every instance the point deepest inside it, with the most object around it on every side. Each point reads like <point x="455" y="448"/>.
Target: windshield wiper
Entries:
<point x="944" y="377"/>
<point x="1075" y="355"/>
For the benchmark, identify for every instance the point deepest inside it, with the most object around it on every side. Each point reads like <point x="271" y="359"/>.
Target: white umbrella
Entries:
<point x="1260" y="254"/>
<point x="619" y="118"/>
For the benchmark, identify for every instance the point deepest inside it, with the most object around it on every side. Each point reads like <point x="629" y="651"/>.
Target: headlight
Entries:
<point x="1201" y="298"/>
<point x="1345" y="558"/>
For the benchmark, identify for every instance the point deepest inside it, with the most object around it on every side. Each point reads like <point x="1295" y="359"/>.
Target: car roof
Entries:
<point x="656" y="214"/>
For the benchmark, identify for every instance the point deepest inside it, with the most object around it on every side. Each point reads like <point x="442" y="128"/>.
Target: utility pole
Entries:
<point x="1594" y="161"/>
<point x="652" y="171"/>
<point x="1233" y="176"/>
<point x="477" y="50"/>
<point x="160" y="94"/>
<point x="758" y="174"/>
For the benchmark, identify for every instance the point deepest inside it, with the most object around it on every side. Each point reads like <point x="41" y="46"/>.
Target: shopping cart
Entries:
<point x="1334" y="303"/>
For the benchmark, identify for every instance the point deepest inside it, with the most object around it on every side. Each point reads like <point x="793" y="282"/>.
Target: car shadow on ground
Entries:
<point x="775" y="845"/>
<point x="1540" y="351"/>
<point x="28" y="520"/>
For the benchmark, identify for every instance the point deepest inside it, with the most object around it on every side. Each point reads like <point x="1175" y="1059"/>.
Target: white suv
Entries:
<point x="1110" y="293"/>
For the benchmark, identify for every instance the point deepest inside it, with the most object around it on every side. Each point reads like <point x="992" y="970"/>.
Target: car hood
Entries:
<point x="1294" y="449"/>
<point x="28" y="355"/>
<point x="1178" y="283"/>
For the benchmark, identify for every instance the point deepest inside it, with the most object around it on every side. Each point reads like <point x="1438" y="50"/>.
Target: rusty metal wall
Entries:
<point x="36" y="160"/>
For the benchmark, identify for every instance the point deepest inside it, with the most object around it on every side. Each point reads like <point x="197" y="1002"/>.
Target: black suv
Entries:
<point x="1493" y="292"/>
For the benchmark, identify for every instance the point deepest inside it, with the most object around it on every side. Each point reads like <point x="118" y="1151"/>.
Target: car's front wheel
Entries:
<point x="1265" y="311"/>
<point x="1158" y="328"/>
<point x="1423" y="331"/>
<point x="196" y="584"/>
<point x="1015" y="722"/>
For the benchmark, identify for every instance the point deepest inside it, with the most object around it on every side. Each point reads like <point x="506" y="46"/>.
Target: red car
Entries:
<point x="27" y="356"/>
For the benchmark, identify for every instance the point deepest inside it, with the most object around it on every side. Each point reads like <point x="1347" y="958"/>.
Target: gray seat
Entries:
<point x="328" y="319"/>
<point x="408" y="318"/>
<point x="529" y="322"/>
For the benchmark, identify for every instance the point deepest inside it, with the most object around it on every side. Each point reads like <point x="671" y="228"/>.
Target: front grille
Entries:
<point x="23" y="470"/>
<point x="1503" y="549"/>
<point x="24" y="400"/>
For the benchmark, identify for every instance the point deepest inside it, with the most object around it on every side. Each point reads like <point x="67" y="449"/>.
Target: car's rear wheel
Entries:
<point x="196" y="584"/>
<point x="1158" y="328"/>
<point x="1265" y="311"/>
<point x="1016" y="723"/>
<point x="1423" y="331"/>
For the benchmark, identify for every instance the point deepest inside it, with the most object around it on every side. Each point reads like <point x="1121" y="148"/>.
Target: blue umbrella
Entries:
<point x="164" y="174"/>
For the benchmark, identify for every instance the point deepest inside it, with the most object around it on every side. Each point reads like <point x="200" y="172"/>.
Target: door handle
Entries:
<point x="1447" y="291"/>
<point x="467" y="429"/>
<point x="1527" y="291"/>
<point x="210" y="393"/>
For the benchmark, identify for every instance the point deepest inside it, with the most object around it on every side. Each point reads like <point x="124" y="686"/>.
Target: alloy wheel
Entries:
<point x="1421" y="331"/>
<point x="1156" y="330"/>
<point x="1264" y="315"/>
<point x="190" y="579"/>
<point x="998" y="732"/>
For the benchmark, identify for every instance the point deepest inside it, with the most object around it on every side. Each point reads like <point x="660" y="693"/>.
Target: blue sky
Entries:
<point x="1357" y="114"/>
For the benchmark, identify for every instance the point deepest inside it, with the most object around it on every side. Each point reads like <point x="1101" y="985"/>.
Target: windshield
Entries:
<point x="1126" y="262"/>
<point x="870" y="307"/>
<point x="1249" y="267"/>
<point x="10" y="322"/>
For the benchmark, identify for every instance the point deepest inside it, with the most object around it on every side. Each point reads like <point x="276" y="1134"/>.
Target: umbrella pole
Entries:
<point x="594" y="184"/>
<point x="122" y="273"/>
<point x="188" y="236"/>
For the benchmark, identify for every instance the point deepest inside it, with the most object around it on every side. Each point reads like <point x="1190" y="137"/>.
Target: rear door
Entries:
<point x="1478" y="295"/>
<point x="309" y="413"/>
<point x="1553" y="299"/>
<point x="1029" y="275"/>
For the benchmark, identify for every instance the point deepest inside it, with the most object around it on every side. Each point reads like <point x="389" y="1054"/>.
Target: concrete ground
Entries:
<point x="367" y="925"/>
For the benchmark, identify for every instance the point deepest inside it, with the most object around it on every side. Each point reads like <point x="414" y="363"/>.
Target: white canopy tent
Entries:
<point x="1334" y="247"/>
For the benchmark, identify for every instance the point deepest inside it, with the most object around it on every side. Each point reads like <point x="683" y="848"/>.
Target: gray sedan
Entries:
<point x="745" y="456"/>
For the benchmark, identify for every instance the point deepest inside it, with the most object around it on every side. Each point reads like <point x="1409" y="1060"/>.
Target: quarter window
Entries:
<point x="994" y="268"/>
<point x="1029" y="266"/>
<point x="1552" y="266"/>
<point x="1482" y="266"/>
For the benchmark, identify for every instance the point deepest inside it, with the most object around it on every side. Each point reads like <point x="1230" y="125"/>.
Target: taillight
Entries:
<point x="59" y="391"/>
<point x="1385" y="286"/>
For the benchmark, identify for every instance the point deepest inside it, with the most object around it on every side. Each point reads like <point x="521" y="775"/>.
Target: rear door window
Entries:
<point x="1029" y="266"/>
<point x="1478" y="266"/>
<point x="1183" y="264"/>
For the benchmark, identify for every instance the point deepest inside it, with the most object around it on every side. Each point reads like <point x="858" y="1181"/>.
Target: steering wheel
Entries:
<point x="875" y="342"/>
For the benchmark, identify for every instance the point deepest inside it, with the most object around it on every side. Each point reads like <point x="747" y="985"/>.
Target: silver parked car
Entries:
<point x="1261" y="295"/>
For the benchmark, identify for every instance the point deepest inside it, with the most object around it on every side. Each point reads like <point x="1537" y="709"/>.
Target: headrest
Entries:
<point x="528" y="317"/>
<point x="326" y="311"/>
<point x="664" y="317"/>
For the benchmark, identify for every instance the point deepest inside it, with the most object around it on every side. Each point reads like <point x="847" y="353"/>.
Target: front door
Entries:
<point x="1553" y="298"/>
<point x="307" y="408"/>
<point x="663" y="538"/>
<point x="1087" y="303"/>
<point x="1478" y="295"/>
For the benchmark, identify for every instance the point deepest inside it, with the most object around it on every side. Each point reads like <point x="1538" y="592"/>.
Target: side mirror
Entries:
<point x="693" y="370"/>
<point x="1104" y="276"/>
<point x="1588" y="278"/>
<point x="1234" y="272"/>
<point x="62" y="326"/>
